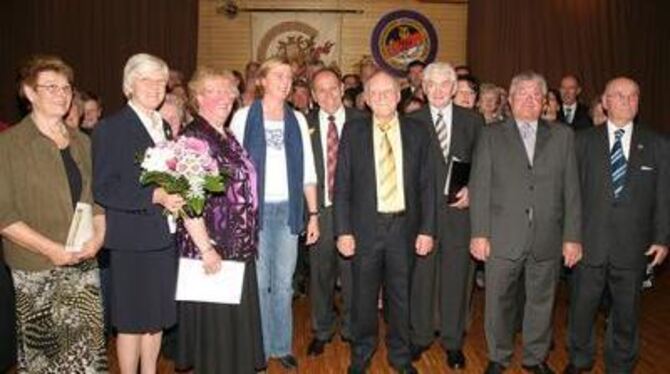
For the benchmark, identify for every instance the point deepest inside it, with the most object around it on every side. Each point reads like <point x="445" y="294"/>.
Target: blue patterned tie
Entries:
<point x="618" y="164"/>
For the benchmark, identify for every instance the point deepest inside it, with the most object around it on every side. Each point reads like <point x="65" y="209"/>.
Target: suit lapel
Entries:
<point x="514" y="139"/>
<point x="367" y="150"/>
<point x="318" y="148"/>
<point x="137" y="128"/>
<point x="404" y="139"/>
<point x="541" y="139"/>
<point x="637" y="146"/>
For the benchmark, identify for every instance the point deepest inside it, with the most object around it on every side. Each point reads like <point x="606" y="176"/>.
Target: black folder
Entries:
<point x="459" y="175"/>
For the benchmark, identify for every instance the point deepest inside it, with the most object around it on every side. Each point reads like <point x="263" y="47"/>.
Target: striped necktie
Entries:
<point x="442" y="134"/>
<point x="332" y="143"/>
<point x="618" y="164"/>
<point x="387" y="170"/>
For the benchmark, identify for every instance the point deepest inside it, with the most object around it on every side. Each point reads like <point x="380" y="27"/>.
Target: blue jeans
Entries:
<point x="277" y="254"/>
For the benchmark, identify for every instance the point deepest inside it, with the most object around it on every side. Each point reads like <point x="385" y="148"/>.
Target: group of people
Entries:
<point x="369" y="189"/>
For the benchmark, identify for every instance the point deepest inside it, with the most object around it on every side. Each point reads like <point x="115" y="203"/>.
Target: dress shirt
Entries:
<point x="396" y="146"/>
<point x="625" y="139"/>
<point x="323" y="131"/>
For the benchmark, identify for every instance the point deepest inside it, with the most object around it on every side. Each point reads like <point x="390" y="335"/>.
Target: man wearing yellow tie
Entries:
<point x="384" y="210"/>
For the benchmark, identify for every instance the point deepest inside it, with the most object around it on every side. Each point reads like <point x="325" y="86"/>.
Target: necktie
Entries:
<point x="442" y="135"/>
<point x="568" y="114"/>
<point x="618" y="164"/>
<point x="387" y="171"/>
<point x="332" y="142"/>
<point x="528" y="136"/>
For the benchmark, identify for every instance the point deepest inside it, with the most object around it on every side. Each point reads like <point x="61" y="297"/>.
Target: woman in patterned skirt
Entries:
<point x="45" y="172"/>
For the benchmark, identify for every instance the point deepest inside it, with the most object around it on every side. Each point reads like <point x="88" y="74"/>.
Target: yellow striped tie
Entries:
<point x="387" y="171"/>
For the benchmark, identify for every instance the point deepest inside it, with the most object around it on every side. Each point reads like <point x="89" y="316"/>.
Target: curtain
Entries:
<point x="95" y="37"/>
<point x="594" y="39"/>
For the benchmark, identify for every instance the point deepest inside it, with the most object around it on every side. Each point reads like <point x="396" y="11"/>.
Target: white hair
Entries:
<point x="139" y="65"/>
<point x="439" y="68"/>
<point x="528" y="76"/>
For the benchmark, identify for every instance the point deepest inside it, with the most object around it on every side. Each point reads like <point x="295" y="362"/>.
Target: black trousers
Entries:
<point x="386" y="262"/>
<point x="326" y="265"/>
<point x="7" y="319"/>
<point x="622" y="344"/>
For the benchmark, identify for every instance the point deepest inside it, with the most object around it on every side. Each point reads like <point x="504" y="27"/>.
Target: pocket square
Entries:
<point x="646" y="168"/>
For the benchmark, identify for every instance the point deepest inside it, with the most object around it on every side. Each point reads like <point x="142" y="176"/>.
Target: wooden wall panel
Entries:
<point x="224" y="42"/>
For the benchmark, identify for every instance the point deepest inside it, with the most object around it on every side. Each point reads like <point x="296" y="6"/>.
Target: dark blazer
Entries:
<point x="133" y="221"/>
<point x="506" y="192"/>
<point x="580" y="121"/>
<point x="620" y="231"/>
<point x="315" y="137"/>
<point x="355" y="206"/>
<point x="466" y="125"/>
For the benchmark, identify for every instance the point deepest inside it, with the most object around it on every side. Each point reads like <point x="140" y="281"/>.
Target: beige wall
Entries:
<point x="226" y="43"/>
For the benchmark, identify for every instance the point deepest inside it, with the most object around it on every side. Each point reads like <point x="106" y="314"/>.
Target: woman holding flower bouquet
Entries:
<point x="221" y="338"/>
<point x="277" y="140"/>
<point x="139" y="234"/>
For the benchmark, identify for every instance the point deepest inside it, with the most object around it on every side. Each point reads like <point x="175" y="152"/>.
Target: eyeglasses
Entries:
<point x="53" y="89"/>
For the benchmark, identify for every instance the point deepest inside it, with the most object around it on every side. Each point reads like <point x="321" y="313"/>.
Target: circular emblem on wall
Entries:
<point x="401" y="37"/>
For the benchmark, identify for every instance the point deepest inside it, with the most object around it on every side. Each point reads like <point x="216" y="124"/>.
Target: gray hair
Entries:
<point x="439" y="68"/>
<point x="528" y="76"/>
<point x="139" y="65"/>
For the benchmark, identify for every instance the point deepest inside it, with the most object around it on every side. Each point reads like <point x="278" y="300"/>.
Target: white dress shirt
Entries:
<point x="625" y="139"/>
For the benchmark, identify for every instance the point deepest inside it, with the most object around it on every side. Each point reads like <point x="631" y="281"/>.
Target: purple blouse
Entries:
<point x="231" y="217"/>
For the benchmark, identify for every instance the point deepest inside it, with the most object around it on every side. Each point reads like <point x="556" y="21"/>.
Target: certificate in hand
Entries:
<point x="222" y="287"/>
<point x="457" y="178"/>
<point x="81" y="227"/>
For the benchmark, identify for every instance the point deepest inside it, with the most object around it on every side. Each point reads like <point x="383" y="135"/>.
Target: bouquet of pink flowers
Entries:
<point x="186" y="167"/>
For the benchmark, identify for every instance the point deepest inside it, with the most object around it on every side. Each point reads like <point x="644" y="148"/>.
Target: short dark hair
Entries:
<point x="331" y="70"/>
<point x="414" y="63"/>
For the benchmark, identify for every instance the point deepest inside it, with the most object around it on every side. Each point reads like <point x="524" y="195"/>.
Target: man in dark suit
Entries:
<point x="624" y="175"/>
<point x="384" y="213"/>
<point x="414" y="77"/>
<point x="453" y="132"/>
<point x="524" y="206"/>
<point x="572" y="112"/>
<point x="326" y="124"/>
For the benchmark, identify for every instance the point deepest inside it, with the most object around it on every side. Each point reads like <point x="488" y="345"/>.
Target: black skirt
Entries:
<point x="142" y="288"/>
<point x="221" y="338"/>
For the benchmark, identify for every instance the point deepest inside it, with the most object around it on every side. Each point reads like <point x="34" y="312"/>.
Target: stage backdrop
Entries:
<point x="232" y="42"/>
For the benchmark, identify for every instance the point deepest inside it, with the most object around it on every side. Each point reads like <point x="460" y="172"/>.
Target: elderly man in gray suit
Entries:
<point x="525" y="212"/>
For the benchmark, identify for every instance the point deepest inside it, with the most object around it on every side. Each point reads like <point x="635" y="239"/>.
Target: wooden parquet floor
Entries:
<point x="654" y="358"/>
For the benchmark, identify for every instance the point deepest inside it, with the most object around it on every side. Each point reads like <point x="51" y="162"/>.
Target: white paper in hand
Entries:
<point x="81" y="227"/>
<point x="223" y="287"/>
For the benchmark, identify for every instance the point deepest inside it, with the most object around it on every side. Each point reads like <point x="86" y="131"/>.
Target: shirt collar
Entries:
<point x="339" y="116"/>
<point x="611" y="128"/>
<point x="446" y="111"/>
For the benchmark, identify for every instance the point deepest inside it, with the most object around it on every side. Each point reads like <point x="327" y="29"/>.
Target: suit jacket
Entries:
<point x="580" y="121"/>
<point x="520" y="207"/>
<point x="466" y="125"/>
<point x="34" y="189"/>
<point x="620" y="231"/>
<point x="317" y="148"/>
<point x="134" y="222"/>
<point x="355" y="204"/>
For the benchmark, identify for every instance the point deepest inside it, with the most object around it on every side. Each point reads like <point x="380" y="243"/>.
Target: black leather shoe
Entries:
<point x="288" y="362"/>
<point x="494" y="368"/>
<point x="542" y="368"/>
<point x="455" y="359"/>
<point x="416" y="351"/>
<point x="316" y="347"/>
<point x="572" y="369"/>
